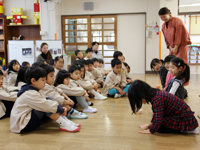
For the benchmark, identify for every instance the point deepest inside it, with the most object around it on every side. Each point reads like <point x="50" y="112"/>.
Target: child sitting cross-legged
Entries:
<point x="32" y="107"/>
<point x="115" y="84"/>
<point x="58" y="95"/>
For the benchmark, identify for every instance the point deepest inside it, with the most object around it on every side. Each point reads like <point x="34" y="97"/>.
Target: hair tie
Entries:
<point x="179" y="64"/>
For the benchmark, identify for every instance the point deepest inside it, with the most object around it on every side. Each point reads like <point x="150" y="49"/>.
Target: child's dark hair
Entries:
<point x="1" y="62"/>
<point x="1" y="73"/>
<point x="73" y="68"/>
<point x="115" y="62"/>
<point x="137" y="91"/>
<point x="61" y="75"/>
<point x="154" y="62"/>
<point x="93" y="43"/>
<point x="125" y="64"/>
<point x="58" y="57"/>
<point x="101" y="61"/>
<point x="94" y="60"/>
<point x="79" y="64"/>
<point x="83" y="61"/>
<point x="90" y="61"/>
<point x="21" y="75"/>
<point x="36" y="64"/>
<point x="10" y="67"/>
<point x="117" y="54"/>
<point x="51" y="62"/>
<point x="169" y="58"/>
<point x="47" y="68"/>
<point x="76" y="52"/>
<point x="88" y="50"/>
<point x="34" y="72"/>
<point x="185" y="73"/>
<point x="25" y="63"/>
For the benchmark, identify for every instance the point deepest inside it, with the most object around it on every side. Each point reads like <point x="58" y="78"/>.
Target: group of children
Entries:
<point x="30" y="95"/>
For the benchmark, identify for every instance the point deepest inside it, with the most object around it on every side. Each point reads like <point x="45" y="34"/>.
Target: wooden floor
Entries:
<point x="112" y="127"/>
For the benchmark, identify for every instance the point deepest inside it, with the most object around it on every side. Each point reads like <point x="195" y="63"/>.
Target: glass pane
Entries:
<point x="82" y="39"/>
<point x="81" y="27"/>
<point x="108" y="26"/>
<point x="100" y="47"/>
<point x="107" y="60"/>
<point x="108" y="33"/>
<point x="68" y="34"/>
<point x="96" y="26"/>
<point x="70" y="47"/>
<point x="107" y="65"/>
<point x="70" y="21"/>
<point x="82" y="20"/>
<point x="108" y="20"/>
<point x="108" y="47"/>
<point x="82" y="33"/>
<point x="70" y="40"/>
<point x="97" y="39"/>
<point x="108" y="53"/>
<point x="109" y="39"/>
<point x="70" y="27"/>
<point x="82" y="47"/>
<point x="96" y="33"/>
<point x="100" y="52"/>
<point x="96" y="20"/>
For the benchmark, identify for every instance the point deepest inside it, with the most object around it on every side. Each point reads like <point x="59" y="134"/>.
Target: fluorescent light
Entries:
<point x="189" y="5"/>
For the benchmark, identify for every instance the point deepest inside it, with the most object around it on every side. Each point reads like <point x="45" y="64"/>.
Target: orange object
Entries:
<point x="158" y="86"/>
<point x="55" y="36"/>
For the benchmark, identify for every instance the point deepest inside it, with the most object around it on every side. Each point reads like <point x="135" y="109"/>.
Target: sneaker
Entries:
<point x="71" y="122"/>
<point x="90" y="110"/>
<point x="90" y="103"/>
<point x="117" y="95"/>
<point x="196" y="131"/>
<point x="100" y="97"/>
<point x="70" y="128"/>
<point x="77" y="115"/>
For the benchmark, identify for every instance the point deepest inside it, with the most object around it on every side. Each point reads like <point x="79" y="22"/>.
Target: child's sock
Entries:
<point x="61" y="121"/>
<point x="71" y="111"/>
<point x="66" y="125"/>
<point x="65" y="118"/>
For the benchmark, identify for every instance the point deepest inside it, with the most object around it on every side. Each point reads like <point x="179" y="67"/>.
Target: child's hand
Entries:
<point x="84" y="92"/>
<point x="139" y="112"/>
<point x="144" y="126"/>
<point x="145" y="132"/>
<point x="87" y="98"/>
<point x="120" y="91"/>
<point x="65" y="111"/>
<point x="95" y="87"/>
<point x="71" y="103"/>
<point x="4" y="73"/>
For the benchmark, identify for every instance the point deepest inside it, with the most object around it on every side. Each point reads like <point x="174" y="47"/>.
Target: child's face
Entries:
<point x="50" y="78"/>
<point x="86" y="67"/>
<point x="89" y="54"/>
<point x="45" y="49"/>
<point x="167" y="65"/>
<point x="16" y="67"/>
<point x="1" y="80"/>
<point x="95" y="64"/>
<point x="127" y="68"/>
<point x="66" y="81"/>
<point x="121" y="58"/>
<point x="90" y="67"/>
<point x="117" y="68"/>
<point x="174" y="70"/>
<point x="39" y="84"/>
<point x="75" y="75"/>
<point x="100" y="65"/>
<point x="59" y="64"/>
<point x="157" y="66"/>
<point x="28" y="65"/>
<point x="82" y="72"/>
<point x="80" y="55"/>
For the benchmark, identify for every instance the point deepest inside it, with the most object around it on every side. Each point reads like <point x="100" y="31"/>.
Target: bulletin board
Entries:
<point x="195" y="25"/>
<point x="55" y="47"/>
<point x="21" y="51"/>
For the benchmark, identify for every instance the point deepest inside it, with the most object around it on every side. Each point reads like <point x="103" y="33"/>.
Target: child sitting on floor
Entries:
<point x="12" y="72"/>
<point x="170" y="114"/>
<point x="59" y="62"/>
<point x="115" y="84"/>
<point x="32" y="107"/>
<point x="79" y="54"/>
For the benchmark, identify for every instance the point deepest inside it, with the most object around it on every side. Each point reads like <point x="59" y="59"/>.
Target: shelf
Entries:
<point x="23" y="25"/>
<point x="2" y="50"/>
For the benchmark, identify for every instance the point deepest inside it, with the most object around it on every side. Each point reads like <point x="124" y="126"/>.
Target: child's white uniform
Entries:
<point x="97" y="75"/>
<point x="86" y="58"/>
<point x="25" y="103"/>
<point x="11" y="78"/>
<point x="54" y="93"/>
<point x="56" y="72"/>
<point x="20" y="84"/>
<point x="7" y="93"/>
<point x="114" y="80"/>
<point x="101" y="70"/>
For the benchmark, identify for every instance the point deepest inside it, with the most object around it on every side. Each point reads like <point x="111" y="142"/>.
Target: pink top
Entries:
<point x="168" y="78"/>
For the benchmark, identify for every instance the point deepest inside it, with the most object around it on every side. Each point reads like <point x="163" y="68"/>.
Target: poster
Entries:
<point x="26" y="52"/>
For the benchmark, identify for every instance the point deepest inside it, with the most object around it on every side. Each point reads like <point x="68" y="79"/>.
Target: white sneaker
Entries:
<point x="90" y="110"/>
<point x="71" y="122"/>
<point x="100" y="97"/>
<point x="77" y="115"/>
<point x="117" y="95"/>
<point x="196" y="131"/>
<point x="70" y="128"/>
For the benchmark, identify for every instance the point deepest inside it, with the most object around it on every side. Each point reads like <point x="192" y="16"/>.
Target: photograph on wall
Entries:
<point x="59" y="51"/>
<point x="55" y="52"/>
<point x="26" y="52"/>
<point x="51" y="51"/>
<point x="37" y="49"/>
